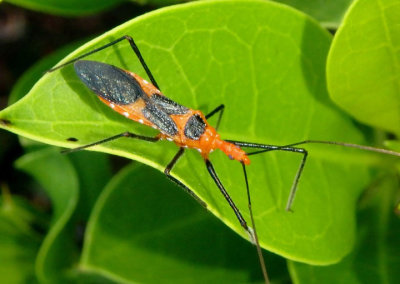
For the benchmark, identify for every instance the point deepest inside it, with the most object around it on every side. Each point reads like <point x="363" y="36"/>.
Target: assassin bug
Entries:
<point x="139" y="100"/>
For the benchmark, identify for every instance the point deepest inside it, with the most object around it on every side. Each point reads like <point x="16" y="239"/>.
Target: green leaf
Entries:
<point x="66" y="7"/>
<point x="92" y="179"/>
<point x="364" y="64"/>
<point x="376" y="258"/>
<point x="143" y="223"/>
<point x="67" y="183"/>
<point x="266" y="63"/>
<point x="328" y="13"/>
<point x="56" y="174"/>
<point x="19" y="243"/>
<point x="30" y="77"/>
<point x="393" y="144"/>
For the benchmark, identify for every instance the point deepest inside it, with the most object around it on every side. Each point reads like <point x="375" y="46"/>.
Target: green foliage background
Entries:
<point x="274" y="68"/>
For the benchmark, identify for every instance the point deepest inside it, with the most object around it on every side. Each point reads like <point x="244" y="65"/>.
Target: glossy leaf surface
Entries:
<point x="329" y="13"/>
<point x="266" y="63"/>
<point x="364" y="64"/>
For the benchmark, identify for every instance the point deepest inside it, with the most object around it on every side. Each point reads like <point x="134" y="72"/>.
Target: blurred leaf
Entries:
<point x="19" y="243"/>
<point x="33" y="74"/>
<point x="94" y="172"/>
<point x="83" y="179"/>
<point x="329" y="13"/>
<point x="393" y="144"/>
<point x="266" y="63"/>
<point x="376" y="258"/>
<point x="57" y="176"/>
<point x="160" y="2"/>
<point x="143" y="223"/>
<point x="364" y="65"/>
<point x="66" y="7"/>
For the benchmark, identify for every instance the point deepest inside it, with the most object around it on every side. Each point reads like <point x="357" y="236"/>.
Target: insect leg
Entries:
<point x="251" y="232"/>
<point x="219" y="109"/>
<point x="255" y="236"/>
<point x="124" y="134"/>
<point x="133" y="46"/>
<point x="210" y="168"/>
<point x="266" y="148"/>
<point x="220" y="186"/>
<point x="167" y="173"/>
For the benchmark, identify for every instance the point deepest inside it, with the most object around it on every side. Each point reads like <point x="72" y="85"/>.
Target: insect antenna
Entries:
<point x="349" y="145"/>
<point x="253" y="224"/>
<point x="344" y="144"/>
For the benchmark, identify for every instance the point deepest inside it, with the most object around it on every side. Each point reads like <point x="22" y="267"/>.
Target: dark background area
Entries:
<point x="25" y="38"/>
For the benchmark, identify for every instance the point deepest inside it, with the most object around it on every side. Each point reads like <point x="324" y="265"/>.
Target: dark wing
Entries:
<point x="109" y="82"/>
<point x="159" y="109"/>
<point x="121" y="88"/>
<point x="168" y="105"/>
<point x="160" y="118"/>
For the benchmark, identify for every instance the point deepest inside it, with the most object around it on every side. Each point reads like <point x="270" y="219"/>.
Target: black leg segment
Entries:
<point x="219" y="184"/>
<point x="134" y="48"/>
<point x="124" y="134"/>
<point x="167" y="173"/>
<point x="267" y="148"/>
<point x="253" y="223"/>
<point x="219" y="109"/>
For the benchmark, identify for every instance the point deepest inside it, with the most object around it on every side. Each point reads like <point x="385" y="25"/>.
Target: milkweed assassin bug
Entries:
<point x="139" y="100"/>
